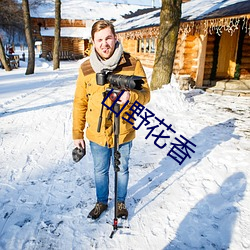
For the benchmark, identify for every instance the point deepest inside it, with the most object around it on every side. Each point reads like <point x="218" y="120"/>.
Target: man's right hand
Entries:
<point x="79" y="143"/>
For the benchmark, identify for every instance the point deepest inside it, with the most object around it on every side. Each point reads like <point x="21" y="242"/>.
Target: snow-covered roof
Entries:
<point x="85" y="10"/>
<point x="79" y="32"/>
<point x="145" y="20"/>
<point x="191" y="11"/>
<point x="206" y="9"/>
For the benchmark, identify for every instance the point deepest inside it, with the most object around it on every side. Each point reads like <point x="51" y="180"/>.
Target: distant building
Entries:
<point x="74" y="36"/>
<point x="77" y="19"/>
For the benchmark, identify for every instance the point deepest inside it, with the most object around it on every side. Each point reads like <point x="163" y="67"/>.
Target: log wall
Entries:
<point x="178" y="61"/>
<point x="132" y="46"/>
<point x="186" y="56"/>
<point x="73" y="45"/>
<point x="50" y="22"/>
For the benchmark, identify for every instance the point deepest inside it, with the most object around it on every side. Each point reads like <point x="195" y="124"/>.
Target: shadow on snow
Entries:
<point x="210" y="136"/>
<point x="210" y="223"/>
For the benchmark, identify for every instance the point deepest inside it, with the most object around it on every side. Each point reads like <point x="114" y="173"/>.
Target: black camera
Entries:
<point x="119" y="81"/>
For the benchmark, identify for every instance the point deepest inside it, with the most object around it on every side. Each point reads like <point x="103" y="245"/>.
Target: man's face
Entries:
<point x="104" y="42"/>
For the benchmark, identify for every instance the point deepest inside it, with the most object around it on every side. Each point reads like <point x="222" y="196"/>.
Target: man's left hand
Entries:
<point x="125" y="97"/>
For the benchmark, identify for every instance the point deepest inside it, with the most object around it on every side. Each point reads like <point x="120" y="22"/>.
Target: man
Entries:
<point x="107" y="54"/>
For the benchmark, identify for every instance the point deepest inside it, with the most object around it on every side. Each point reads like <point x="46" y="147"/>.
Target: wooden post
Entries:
<point x="144" y="45"/>
<point x="201" y="60"/>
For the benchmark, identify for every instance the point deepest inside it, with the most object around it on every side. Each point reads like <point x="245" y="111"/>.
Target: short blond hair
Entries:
<point x="100" y="25"/>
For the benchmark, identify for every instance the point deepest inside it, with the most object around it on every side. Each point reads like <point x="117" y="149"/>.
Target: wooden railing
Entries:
<point x="64" y="55"/>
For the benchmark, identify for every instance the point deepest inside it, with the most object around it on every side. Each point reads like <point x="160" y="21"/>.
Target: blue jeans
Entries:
<point x="102" y="158"/>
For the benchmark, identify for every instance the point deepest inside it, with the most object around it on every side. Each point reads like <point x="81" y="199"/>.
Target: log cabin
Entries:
<point x="213" y="41"/>
<point x="74" y="37"/>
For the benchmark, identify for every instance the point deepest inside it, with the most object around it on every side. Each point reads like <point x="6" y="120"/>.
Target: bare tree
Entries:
<point x="28" y="33"/>
<point x="11" y="24"/>
<point x="36" y="3"/>
<point x="56" y="59"/>
<point x="3" y="57"/>
<point x="168" y="34"/>
<point x="11" y="16"/>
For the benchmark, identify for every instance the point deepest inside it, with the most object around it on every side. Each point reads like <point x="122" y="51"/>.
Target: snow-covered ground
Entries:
<point x="45" y="197"/>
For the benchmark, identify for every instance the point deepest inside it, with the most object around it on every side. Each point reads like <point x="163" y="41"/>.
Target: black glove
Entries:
<point x="78" y="153"/>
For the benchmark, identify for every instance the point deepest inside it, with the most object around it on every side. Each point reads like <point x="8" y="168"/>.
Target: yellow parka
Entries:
<point x="89" y="96"/>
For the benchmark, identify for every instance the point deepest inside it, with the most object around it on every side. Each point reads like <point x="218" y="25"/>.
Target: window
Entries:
<point x="146" y="45"/>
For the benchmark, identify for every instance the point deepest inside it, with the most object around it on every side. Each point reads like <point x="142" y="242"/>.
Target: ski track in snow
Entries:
<point x="45" y="197"/>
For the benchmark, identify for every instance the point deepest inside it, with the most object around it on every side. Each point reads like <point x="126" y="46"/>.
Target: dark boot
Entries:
<point x="97" y="210"/>
<point x="122" y="211"/>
